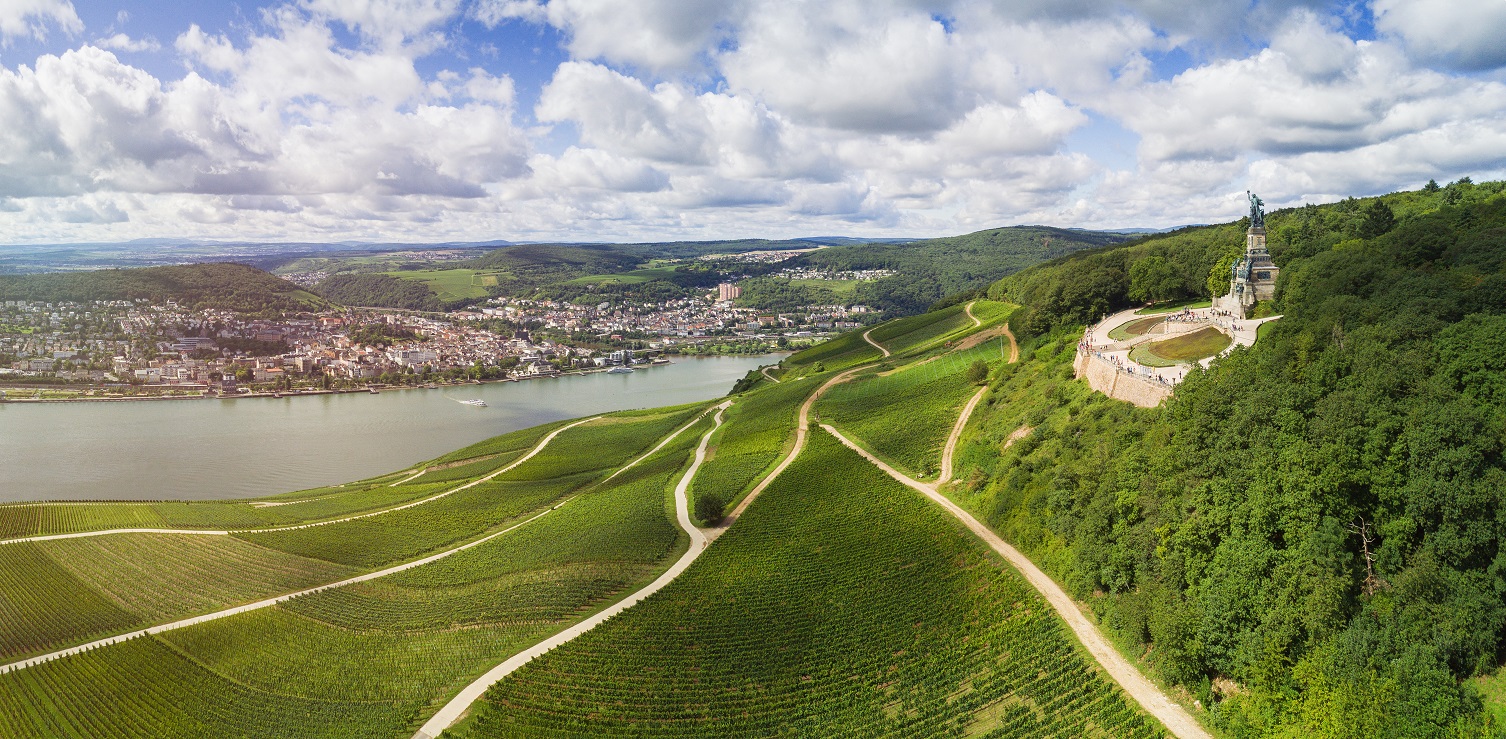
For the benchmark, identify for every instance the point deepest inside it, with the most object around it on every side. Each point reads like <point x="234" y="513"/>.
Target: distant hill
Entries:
<point x="934" y="268"/>
<point x="222" y="286"/>
<point x="379" y="291"/>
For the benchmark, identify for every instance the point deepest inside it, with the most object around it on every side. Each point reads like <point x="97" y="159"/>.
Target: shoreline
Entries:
<point x="282" y="394"/>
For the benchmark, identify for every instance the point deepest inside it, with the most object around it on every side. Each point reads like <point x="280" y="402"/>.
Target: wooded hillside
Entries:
<point x="1309" y="536"/>
<point x="197" y="286"/>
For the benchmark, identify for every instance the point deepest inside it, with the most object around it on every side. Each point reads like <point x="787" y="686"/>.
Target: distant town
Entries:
<point x="128" y="349"/>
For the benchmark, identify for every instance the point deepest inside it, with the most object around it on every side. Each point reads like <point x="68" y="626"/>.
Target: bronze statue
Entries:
<point x="1257" y="210"/>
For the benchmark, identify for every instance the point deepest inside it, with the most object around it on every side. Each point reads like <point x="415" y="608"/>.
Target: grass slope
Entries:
<point x="841" y="605"/>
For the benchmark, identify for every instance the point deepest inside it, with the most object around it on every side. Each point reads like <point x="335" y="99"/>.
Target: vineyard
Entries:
<point x="755" y="435"/>
<point x="59" y="593"/>
<point x="381" y="653"/>
<point x="840" y="605"/>
<point x="847" y="350"/>
<point x="905" y="416"/>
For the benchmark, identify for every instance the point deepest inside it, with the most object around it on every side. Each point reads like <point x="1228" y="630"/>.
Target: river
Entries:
<point x="203" y="449"/>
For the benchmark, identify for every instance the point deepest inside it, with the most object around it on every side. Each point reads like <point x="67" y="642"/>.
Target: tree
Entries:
<point x="1218" y="277"/>
<point x="708" y="508"/>
<point x="1431" y="187"/>
<point x="977" y="372"/>
<point x="1379" y="219"/>
<point x="1153" y="279"/>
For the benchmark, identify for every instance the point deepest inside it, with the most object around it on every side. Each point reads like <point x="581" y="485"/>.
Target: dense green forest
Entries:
<point x="220" y="286"/>
<point x="1308" y="536"/>
<point x="379" y="291"/>
<point x="931" y="269"/>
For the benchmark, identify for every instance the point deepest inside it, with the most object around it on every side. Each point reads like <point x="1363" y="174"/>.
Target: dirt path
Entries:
<point x="1014" y="346"/>
<point x="460" y="704"/>
<point x="801" y="429"/>
<point x="875" y="344"/>
<point x="968" y="309"/>
<point x="409" y="478"/>
<point x="202" y="532"/>
<point x="951" y="441"/>
<point x="765" y="371"/>
<point x="1174" y="717"/>
<point x="22" y="664"/>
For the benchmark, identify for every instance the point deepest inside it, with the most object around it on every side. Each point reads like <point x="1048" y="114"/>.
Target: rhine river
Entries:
<point x="200" y="449"/>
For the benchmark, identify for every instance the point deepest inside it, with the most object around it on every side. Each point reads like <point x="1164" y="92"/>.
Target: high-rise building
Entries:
<point x="728" y="291"/>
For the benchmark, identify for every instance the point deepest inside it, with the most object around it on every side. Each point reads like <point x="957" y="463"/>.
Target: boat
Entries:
<point x="477" y="402"/>
<point x="619" y="370"/>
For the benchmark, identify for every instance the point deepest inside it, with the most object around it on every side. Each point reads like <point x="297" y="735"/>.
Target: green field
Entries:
<point x="452" y="284"/>
<point x="1200" y="344"/>
<point x="843" y="288"/>
<point x="847" y="350"/>
<point x="842" y="604"/>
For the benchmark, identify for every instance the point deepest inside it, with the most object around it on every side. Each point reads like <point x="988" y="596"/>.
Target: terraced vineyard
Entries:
<point x="905" y="416"/>
<point x="754" y="437"/>
<point x="370" y="659"/>
<point x="840" y="605"/>
<point x="59" y="593"/>
<point x="847" y="350"/>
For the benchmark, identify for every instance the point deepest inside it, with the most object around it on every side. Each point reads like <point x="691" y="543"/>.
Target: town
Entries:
<point x="106" y="349"/>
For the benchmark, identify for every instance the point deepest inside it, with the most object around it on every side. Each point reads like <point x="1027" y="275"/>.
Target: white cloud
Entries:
<point x="387" y="22"/>
<point x="1464" y="33"/>
<point x="33" y="17"/>
<point x="122" y="42"/>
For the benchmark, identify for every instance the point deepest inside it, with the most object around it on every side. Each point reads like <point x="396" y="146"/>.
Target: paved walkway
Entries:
<point x="1176" y="719"/>
<point x="875" y="344"/>
<point x="203" y="532"/>
<point x="765" y="371"/>
<point x="457" y="707"/>
<point x="1243" y="332"/>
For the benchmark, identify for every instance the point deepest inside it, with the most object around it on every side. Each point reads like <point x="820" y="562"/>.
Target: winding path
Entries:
<point x="765" y="371"/>
<point x="452" y="711"/>
<point x="875" y="344"/>
<point x="1175" y="718"/>
<point x="205" y="532"/>
<point x="951" y="441"/>
<point x="968" y="309"/>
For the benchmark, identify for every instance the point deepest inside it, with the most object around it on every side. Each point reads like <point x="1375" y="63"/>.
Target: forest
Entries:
<point x="934" y="268"/>
<point x="221" y="286"/>
<point x="1309" y="536"/>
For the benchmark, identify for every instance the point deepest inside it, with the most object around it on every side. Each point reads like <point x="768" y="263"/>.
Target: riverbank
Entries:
<point x="200" y="451"/>
<point x="295" y="393"/>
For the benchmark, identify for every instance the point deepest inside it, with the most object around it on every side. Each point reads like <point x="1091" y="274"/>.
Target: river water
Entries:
<point x="201" y="449"/>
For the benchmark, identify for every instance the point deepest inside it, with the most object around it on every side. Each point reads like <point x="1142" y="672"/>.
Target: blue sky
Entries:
<point x="442" y="120"/>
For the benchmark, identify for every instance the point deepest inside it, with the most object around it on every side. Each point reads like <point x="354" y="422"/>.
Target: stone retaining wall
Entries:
<point x="1105" y="377"/>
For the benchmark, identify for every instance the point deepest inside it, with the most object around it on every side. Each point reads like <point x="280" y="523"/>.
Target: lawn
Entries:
<point x="1191" y="347"/>
<point x="1173" y="305"/>
<point x="1137" y="327"/>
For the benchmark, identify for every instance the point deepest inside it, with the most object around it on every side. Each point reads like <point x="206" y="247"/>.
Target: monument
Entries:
<point x="1253" y="277"/>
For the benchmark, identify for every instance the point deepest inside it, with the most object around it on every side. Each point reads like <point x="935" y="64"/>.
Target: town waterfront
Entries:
<point x="203" y="449"/>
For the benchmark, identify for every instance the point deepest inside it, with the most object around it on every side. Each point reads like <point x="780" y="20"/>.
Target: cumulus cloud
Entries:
<point x="714" y="118"/>
<point x="1461" y="33"/>
<point x="34" y="17"/>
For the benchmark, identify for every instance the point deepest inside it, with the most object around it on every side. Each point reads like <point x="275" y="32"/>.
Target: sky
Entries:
<point x="630" y="120"/>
